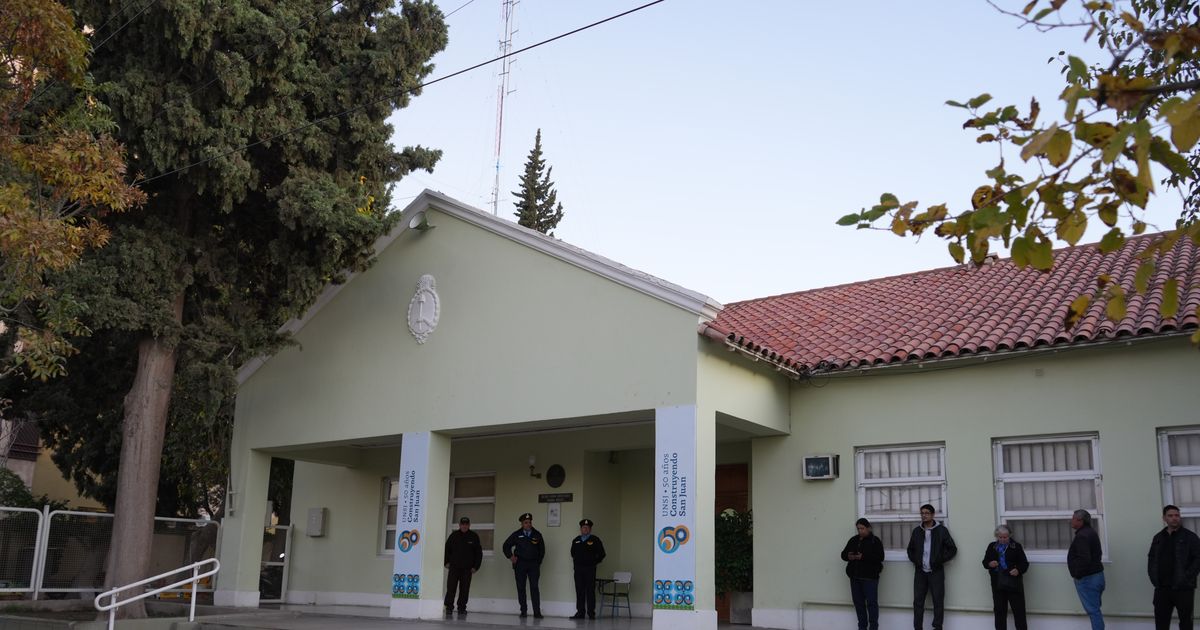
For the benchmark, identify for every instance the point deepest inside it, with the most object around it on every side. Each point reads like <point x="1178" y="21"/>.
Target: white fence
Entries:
<point x="63" y="551"/>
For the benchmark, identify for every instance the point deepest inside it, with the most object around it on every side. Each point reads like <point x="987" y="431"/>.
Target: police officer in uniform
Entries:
<point x="587" y="551"/>
<point x="526" y="548"/>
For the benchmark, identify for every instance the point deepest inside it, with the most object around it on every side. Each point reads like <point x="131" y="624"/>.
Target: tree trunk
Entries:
<point x="142" y="432"/>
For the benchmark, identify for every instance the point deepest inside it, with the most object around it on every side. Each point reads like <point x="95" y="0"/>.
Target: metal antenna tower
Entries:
<point x="508" y="9"/>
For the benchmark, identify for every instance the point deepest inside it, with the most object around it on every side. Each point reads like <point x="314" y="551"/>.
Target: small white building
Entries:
<point x="471" y="359"/>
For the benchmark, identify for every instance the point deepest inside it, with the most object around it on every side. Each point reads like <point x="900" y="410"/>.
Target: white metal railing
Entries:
<point x="113" y="604"/>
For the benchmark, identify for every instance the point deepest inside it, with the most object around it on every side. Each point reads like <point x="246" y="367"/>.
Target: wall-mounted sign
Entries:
<point x="556" y="497"/>
<point x="555" y="476"/>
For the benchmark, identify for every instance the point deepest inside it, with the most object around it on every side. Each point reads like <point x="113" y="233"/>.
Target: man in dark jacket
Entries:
<point x="863" y="554"/>
<point x="1173" y="563"/>
<point x="586" y="551"/>
<point x="1083" y="561"/>
<point x="929" y="549"/>
<point x="464" y="555"/>
<point x="526" y="548"/>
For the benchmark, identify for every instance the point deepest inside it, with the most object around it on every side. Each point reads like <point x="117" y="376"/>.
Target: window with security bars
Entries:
<point x="893" y="483"/>
<point x="1040" y="482"/>
<point x="1179" y="457"/>
<point x="474" y="496"/>
<point x="387" y="514"/>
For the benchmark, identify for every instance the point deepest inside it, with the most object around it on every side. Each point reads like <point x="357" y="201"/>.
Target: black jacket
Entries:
<point x="587" y="553"/>
<point x="463" y="550"/>
<point x="1083" y="558"/>
<point x="1187" y="559"/>
<point x="1014" y="558"/>
<point x="527" y="549"/>
<point x="871" y="563"/>
<point x="941" y="548"/>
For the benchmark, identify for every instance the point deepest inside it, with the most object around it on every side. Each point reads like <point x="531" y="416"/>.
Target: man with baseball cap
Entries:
<point x="587" y="551"/>
<point x="526" y="548"/>
<point x="464" y="555"/>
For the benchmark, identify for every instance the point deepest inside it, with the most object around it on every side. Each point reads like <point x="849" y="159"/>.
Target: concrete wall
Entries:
<point x="1123" y="392"/>
<point x="522" y="337"/>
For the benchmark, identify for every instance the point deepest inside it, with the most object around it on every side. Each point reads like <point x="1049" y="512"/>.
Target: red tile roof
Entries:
<point x="959" y="311"/>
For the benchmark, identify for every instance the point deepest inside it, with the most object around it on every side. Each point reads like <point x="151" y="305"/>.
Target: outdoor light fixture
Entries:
<point x="532" y="463"/>
<point x="420" y="222"/>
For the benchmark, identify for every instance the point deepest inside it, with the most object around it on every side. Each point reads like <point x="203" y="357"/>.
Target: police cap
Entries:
<point x="525" y="516"/>
<point x="586" y="521"/>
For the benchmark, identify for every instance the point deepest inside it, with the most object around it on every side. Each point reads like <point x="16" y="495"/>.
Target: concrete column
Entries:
<point x="242" y="528"/>
<point x="420" y="526"/>
<point x="684" y="469"/>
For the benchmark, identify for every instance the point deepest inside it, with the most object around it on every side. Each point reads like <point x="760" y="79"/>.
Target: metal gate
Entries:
<point x="65" y="551"/>
<point x="276" y="554"/>
<point x="20" y="532"/>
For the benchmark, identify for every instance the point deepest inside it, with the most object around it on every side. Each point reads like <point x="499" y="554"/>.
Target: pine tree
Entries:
<point x="230" y="248"/>
<point x="537" y="201"/>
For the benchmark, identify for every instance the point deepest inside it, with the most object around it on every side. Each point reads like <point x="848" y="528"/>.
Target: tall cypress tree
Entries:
<point x="537" y="201"/>
<point x="228" y="249"/>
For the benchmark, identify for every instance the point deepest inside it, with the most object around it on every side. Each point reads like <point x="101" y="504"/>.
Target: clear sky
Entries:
<point x="714" y="144"/>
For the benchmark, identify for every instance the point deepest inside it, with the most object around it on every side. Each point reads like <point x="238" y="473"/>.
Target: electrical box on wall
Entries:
<point x="316" y="522"/>
<point x="821" y="466"/>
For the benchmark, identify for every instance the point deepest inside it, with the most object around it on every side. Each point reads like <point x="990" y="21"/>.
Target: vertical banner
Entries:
<point x="674" y="508"/>
<point x="410" y="516"/>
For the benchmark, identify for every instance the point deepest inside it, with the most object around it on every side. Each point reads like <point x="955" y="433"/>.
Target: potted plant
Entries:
<point x="735" y="563"/>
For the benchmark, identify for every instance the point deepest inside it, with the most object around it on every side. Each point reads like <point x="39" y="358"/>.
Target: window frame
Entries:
<point x="999" y="478"/>
<point x="861" y="484"/>
<point x="452" y="525"/>
<point x="385" y="501"/>
<point x="1168" y="471"/>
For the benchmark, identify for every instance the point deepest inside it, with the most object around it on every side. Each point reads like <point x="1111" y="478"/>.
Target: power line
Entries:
<point x="258" y="55"/>
<point x="459" y="8"/>
<point x="50" y="83"/>
<point x="122" y="27"/>
<point x="398" y="93"/>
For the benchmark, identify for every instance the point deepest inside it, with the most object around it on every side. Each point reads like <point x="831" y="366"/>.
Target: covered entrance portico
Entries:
<point x="521" y="353"/>
<point x="616" y="471"/>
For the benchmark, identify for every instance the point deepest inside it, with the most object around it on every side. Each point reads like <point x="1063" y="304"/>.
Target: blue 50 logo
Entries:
<point x="671" y="539"/>
<point x="407" y="540"/>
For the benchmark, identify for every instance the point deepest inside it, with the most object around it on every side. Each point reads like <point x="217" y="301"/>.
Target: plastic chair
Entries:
<point x="613" y="592"/>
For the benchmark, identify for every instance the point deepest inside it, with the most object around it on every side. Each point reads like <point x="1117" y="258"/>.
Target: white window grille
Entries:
<point x="893" y="483"/>
<point x="387" y="514"/>
<point x="1040" y="482"/>
<point x="474" y="496"/>
<point x="1179" y="457"/>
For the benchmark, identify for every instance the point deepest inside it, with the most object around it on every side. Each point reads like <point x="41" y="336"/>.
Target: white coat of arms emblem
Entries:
<point x="424" y="309"/>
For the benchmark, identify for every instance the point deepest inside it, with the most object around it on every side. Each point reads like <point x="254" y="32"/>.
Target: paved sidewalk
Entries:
<point x="364" y="618"/>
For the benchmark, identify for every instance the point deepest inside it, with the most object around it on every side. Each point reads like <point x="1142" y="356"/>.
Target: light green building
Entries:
<point x="486" y="354"/>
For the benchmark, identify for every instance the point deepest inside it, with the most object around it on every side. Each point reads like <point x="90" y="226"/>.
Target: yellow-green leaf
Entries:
<point x="1115" y="309"/>
<point x="1020" y="252"/>
<point x="957" y="252"/>
<point x="1071" y="227"/>
<point x="1170" y="303"/>
<point x="979" y="100"/>
<point x="1078" y="307"/>
<point x="1141" y="279"/>
<point x="1058" y="149"/>
<point x="1038" y="142"/>
<point x="1112" y="241"/>
<point x="1040" y="255"/>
